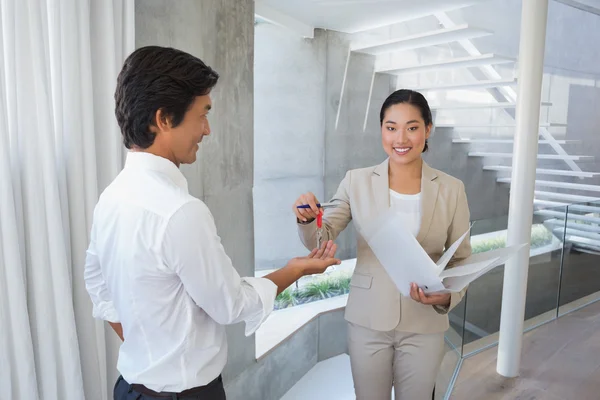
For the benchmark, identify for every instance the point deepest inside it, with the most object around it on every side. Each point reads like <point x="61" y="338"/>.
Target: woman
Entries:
<point x="395" y="340"/>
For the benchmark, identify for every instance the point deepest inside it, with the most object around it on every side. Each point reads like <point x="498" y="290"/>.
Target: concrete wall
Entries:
<point x="298" y="85"/>
<point x="348" y="145"/>
<point x="221" y="33"/>
<point x="274" y="374"/>
<point x="289" y="92"/>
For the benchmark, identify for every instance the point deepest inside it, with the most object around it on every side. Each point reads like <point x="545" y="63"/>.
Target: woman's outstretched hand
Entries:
<point x="317" y="261"/>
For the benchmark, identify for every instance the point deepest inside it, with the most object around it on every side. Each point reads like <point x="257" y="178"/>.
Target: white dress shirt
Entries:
<point x="156" y="264"/>
<point x="408" y="206"/>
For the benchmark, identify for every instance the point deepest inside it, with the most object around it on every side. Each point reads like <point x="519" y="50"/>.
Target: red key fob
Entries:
<point x="320" y="220"/>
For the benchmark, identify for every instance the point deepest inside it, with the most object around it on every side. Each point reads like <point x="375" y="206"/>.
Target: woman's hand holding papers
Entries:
<point x="432" y="299"/>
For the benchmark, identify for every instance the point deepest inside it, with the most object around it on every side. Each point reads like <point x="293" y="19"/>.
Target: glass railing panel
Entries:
<point x="452" y="353"/>
<point x="484" y="299"/>
<point x="580" y="278"/>
<point x="484" y="295"/>
<point x="545" y="257"/>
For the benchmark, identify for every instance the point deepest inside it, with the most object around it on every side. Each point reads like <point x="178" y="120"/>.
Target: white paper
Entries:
<point x="473" y="264"/>
<point x="406" y="261"/>
<point x="456" y="283"/>
<point x="503" y="253"/>
<point x="401" y="254"/>
<point x="447" y="256"/>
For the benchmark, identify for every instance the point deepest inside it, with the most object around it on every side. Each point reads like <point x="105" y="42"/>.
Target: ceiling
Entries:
<point x="358" y="15"/>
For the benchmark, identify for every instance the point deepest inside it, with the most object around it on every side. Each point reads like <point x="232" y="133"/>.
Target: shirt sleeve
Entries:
<point x="103" y="307"/>
<point x="193" y="250"/>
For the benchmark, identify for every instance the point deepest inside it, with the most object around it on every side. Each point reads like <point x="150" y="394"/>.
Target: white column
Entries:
<point x="531" y="61"/>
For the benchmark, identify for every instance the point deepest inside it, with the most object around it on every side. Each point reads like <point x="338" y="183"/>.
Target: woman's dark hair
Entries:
<point x="156" y="78"/>
<point x="410" y="97"/>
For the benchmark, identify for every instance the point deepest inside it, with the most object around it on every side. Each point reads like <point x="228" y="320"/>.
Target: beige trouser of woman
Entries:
<point x="408" y="361"/>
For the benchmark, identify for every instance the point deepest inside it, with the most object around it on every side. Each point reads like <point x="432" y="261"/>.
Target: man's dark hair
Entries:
<point x="409" y="97"/>
<point x="156" y="78"/>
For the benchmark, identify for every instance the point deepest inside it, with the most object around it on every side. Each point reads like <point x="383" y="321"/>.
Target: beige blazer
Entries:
<point x="374" y="301"/>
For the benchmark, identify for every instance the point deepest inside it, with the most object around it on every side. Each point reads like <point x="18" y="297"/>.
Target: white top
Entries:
<point x="156" y="264"/>
<point x="408" y="206"/>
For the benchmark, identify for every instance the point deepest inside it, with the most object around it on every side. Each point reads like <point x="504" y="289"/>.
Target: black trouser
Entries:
<point x="212" y="391"/>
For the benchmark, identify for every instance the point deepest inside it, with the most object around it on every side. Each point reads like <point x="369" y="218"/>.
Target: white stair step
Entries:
<point x="549" y="203"/>
<point x="505" y="141"/>
<point x="572" y="207"/>
<point x="449" y="125"/>
<point x="469" y="86"/>
<point x="462" y="62"/>
<point x="470" y="106"/>
<point x="561" y="185"/>
<point x="584" y="243"/>
<point x="542" y="171"/>
<point x="560" y="224"/>
<point x="572" y="217"/>
<point x="575" y="232"/>
<point x="540" y="156"/>
<point x="424" y="39"/>
<point x="567" y="197"/>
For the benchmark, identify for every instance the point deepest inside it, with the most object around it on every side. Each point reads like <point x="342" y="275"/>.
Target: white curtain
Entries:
<point x="59" y="148"/>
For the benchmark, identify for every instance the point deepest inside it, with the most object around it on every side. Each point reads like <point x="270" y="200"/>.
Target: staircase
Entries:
<point x="491" y="138"/>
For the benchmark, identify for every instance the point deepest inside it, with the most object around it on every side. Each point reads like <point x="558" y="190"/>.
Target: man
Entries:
<point x="155" y="267"/>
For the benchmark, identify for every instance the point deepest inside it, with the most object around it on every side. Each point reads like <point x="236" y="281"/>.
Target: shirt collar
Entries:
<point x="143" y="160"/>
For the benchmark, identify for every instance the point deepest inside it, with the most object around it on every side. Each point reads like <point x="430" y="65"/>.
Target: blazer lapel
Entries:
<point x="381" y="186"/>
<point x="429" y="193"/>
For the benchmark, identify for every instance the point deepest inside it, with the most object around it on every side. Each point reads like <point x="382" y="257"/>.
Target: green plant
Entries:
<point x="489" y="244"/>
<point x="540" y="236"/>
<point x="285" y="299"/>
<point x="342" y="283"/>
<point x="318" y="289"/>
